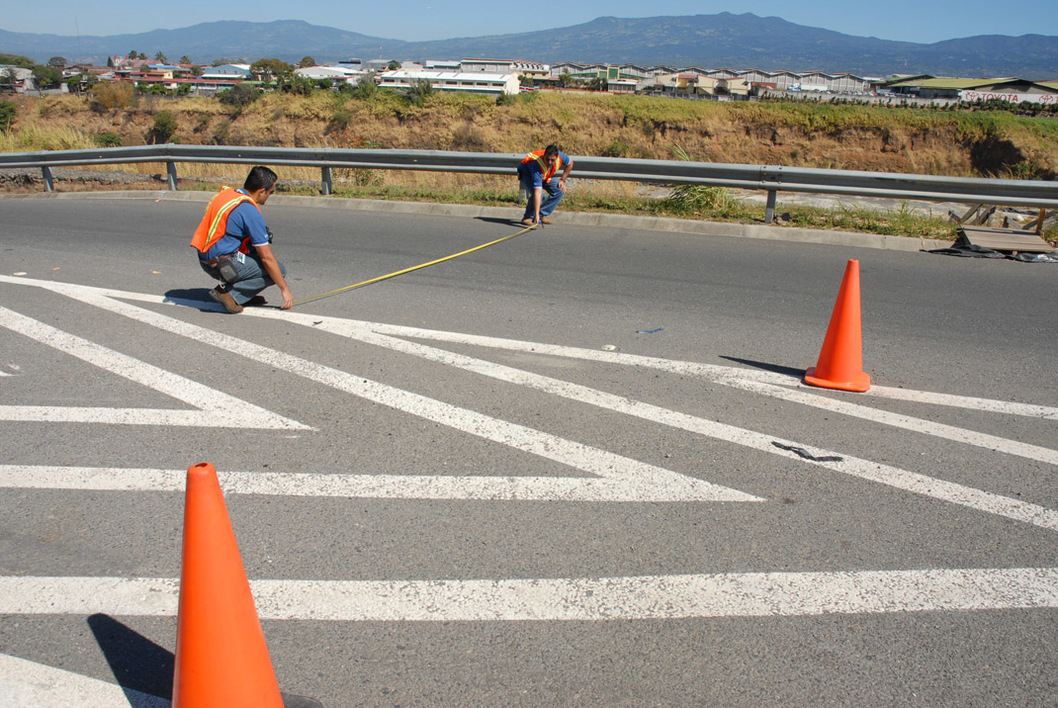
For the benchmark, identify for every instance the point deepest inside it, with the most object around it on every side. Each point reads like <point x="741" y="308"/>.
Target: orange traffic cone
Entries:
<point x="221" y="656"/>
<point x="840" y="362"/>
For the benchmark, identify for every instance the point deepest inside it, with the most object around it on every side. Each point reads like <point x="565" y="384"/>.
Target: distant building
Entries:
<point x="725" y="79"/>
<point x="20" y="80"/>
<point x="79" y="69"/>
<point x="341" y="74"/>
<point x="635" y="71"/>
<point x="678" y="82"/>
<point x="125" y="62"/>
<point x="688" y="82"/>
<point x="584" y="72"/>
<point x="531" y="69"/>
<point x="1011" y="89"/>
<point x="455" y="81"/>
<point x="442" y="64"/>
<point x="378" y="64"/>
<point x="227" y="72"/>
<point x="622" y="85"/>
<point x="619" y="79"/>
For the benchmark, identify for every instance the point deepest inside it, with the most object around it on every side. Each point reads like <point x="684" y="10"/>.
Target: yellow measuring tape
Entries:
<point x="409" y="270"/>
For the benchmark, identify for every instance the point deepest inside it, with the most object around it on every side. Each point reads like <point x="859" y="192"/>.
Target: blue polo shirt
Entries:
<point x="244" y="221"/>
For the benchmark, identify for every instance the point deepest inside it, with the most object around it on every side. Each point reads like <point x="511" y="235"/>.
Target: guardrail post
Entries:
<point x="49" y="182"/>
<point x="769" y="209"/>
<point x="325" y="179"/>
<point x="170" y="174"/>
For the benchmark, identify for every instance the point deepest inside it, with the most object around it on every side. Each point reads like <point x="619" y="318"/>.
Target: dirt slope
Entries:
<point x="918" y="141"/>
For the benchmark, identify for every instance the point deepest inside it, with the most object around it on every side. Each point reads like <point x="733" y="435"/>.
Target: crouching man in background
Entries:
<point x="536" y="174"/>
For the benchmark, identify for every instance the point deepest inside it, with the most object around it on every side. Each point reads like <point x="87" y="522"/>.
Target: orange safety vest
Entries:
<point x="538" y="156"/>
<point x="215" y="221"/>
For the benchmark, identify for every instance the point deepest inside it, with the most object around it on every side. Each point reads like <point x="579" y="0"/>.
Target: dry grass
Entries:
<point x="805" y="134"/>
<point x="961" y="143"/>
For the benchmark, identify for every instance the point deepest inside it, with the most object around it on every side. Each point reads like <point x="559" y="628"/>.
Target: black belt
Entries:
<point x="213" y="263"/>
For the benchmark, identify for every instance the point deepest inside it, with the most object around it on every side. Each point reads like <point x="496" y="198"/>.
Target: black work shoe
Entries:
<point x="256" y="301"/>
<point x="226" y="300"/>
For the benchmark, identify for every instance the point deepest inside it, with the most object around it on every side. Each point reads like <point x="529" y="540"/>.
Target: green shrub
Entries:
<point x="8" y="111"/>
<point x="163" y="128"/>
<point x="366" y="88"/>
<point x="340" y="121"/>
<point x="108" y="139"/>
<point x="239" y="95"/>
<point x="111" y="95"/>
<point x="698" y="198"/>
<point x="419" y="91"/>
<point x="616" y="149"/>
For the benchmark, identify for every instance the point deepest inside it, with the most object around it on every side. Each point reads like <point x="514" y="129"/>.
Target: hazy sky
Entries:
<point x="416" y="20"/>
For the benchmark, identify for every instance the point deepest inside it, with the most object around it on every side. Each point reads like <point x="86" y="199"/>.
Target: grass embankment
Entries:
<point x="919" y="141"/>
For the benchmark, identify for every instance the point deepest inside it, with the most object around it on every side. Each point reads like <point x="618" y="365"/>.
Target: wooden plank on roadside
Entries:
<point x="1003" y="239"/>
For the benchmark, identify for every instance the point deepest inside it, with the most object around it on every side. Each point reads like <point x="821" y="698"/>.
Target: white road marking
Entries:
<point x="510" y="434"/>
<point x="491" y="488"/>
<point x="713" y="372"/>
<point x="668" y="485"/>
<point x="212" y="408"/>
<point x="27" y="684"/>
<point x="564" y="599"/>
<point x="906" y="422"/>
<point x="766" y="383"/>
<point x="846" y="464"/>
<point x="987" y="405"/>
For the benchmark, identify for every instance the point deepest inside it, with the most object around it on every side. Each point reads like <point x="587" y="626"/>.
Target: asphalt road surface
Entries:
<point x="575" y="468"/>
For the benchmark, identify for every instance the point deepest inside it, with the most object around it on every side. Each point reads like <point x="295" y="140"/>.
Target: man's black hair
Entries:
<point x="260" y="177"/>
<point x="551" y="149"/>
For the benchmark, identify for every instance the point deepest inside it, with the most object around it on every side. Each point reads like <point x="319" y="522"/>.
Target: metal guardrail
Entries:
<point x="769" y="178"/>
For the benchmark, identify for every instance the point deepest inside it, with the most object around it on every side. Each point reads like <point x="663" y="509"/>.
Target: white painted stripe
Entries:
<point x="492" y="488"/>
<point x="765" y="383"/>
<point x="565" y="599"/>
<point x="906" y="422"/>
<point x="583" y="457"/>
<point x="27" y="684"/>
<point x="718" y="374"/>
<point x="143" y="416"/>
<point x="845" y="464"/>
<point x="215" y="408"/>
<point x="987" y="405"/>
<point x="34" y="595"/>
<point x="483" y="488"/>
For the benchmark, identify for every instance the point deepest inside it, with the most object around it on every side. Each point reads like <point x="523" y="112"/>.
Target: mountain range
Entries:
<point x="709" y="41"/>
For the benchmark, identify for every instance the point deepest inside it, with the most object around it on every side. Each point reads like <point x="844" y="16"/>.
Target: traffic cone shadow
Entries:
<point x="840" y="364"/>
<point x="221" y="656"/>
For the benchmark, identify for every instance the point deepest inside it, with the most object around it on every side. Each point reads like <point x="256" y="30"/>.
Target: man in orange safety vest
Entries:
<point x="536" y="174"/>
<point x="235" y="246"/>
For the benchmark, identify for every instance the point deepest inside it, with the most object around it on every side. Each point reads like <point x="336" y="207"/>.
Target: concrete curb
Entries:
<point x="646" y="223"/>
